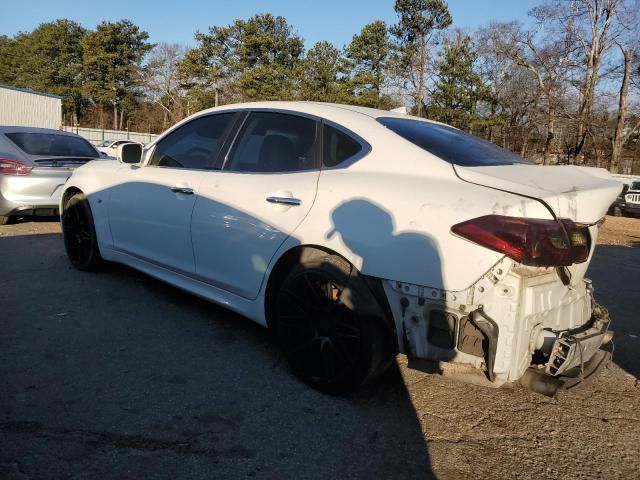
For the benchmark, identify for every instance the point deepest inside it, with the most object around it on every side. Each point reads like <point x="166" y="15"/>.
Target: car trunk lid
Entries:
<point x="582" y="194"/>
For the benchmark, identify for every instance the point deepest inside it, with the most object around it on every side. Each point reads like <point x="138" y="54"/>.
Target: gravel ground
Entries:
<point x="115" y="375"/>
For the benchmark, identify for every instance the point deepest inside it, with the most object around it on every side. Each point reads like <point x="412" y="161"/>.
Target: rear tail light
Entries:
<point x="12" y="167"/>
<point x="530" y="241"/>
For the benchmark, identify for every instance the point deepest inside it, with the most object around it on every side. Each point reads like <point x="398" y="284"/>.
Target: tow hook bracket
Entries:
<point x="489" y="329"/>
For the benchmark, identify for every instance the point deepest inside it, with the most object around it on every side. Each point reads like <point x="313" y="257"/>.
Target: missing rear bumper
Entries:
<point x="539" y="382"/>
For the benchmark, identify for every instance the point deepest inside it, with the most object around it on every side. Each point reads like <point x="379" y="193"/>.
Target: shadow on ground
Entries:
<point x="114" y="375"/>
<point x="615" y="271"/>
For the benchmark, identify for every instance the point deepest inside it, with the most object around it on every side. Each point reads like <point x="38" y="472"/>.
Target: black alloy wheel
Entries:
<point x="79" y="234"/>
<point x="328" y="343"/>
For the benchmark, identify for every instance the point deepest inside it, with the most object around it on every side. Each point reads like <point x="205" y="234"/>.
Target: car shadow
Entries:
<point x="149" y="381"/>
<point x="615" y="271"/>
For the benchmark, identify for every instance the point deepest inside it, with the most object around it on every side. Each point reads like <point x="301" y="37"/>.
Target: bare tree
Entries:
<point x="589" y="28"/>
<point x="544" y="57"/>
<point x="629" y="47"/>
<point x="160" y="81"/>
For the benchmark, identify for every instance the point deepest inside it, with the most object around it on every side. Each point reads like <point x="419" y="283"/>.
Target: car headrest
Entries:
<point x="277" y="154"/>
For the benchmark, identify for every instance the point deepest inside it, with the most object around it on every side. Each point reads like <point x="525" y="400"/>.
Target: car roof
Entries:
<point x="19" y="129"/>
<point x="359" y="120"/>
<point x="333" y="111"/>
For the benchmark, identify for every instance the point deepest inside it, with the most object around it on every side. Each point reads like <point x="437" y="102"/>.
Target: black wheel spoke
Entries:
<point x="328" y="360"/>
<point x="318" y="300"/>
<point x="298" y="303"/>
<point x="295" y="322"/>
<point x="346" y="330"/>
<point x="301" y="346"/>
<point x="342" y="354"/>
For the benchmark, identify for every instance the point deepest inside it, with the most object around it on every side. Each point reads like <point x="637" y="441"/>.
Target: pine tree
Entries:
<point x="458" y="87"/>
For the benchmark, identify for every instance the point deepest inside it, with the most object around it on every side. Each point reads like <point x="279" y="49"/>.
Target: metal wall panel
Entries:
<point x="29" y="109"/>
<point x="97" y="135"/>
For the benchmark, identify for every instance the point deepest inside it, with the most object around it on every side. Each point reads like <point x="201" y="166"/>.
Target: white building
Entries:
<point x="29" y="108"/>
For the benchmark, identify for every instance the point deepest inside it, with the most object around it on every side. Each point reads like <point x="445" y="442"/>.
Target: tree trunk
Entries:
<point x="598" y="44"/>
<point x="550" y="136"/>
<point x="422" y="67"/>
<point x="618" y="134"/>
<point x="525" y="143"/>
<point x="115" y="116"/>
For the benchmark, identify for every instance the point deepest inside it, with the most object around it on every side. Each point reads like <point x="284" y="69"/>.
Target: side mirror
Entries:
<point x="129" y="153"/>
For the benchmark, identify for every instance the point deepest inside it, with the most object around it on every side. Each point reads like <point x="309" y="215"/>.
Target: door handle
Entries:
<point x="183" y="190"/>
<point x="289" y="201"/>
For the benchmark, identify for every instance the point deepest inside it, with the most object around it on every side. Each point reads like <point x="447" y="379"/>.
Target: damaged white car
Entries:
<point x="357" y="234"/>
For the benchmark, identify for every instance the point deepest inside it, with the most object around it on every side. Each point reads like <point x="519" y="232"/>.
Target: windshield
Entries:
<point x="106" y="143"/>
<point x="51" y="144"/>
<point x="450" y="144"/>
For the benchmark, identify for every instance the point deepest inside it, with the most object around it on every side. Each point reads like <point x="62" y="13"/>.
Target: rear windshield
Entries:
<point x="450" y="144"/>
<point x="50" y="144"/>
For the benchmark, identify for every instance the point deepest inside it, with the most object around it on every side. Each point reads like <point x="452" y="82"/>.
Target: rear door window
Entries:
<point x="450" y="144"/>
<point x="52" y="145"/>
<point x="275" y="142"/>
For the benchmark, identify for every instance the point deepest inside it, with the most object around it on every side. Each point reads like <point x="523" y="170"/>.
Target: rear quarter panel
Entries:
<point x="397" y="225"/>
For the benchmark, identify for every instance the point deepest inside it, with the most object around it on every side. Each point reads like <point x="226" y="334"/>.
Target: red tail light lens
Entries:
<point x="530" y="241"/>
<point x="11" y="167"/>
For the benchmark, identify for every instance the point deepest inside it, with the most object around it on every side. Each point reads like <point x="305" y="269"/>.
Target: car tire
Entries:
<point x="4" y="220"/>
<point x="330" y="326"/>
<point x="79" y="234"/>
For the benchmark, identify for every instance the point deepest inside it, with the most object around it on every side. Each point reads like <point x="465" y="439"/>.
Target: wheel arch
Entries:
<point x="304" y="253"/>
<point x="285" y="263"/>
<point x="66" y="196"/>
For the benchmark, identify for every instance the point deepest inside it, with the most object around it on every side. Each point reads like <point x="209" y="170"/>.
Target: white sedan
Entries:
<point x="357" y="234"/>
<point x="110" y="147"/>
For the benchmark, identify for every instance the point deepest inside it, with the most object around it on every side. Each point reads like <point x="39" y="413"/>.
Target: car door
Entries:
<point x="246" y="211"/>
<point x="150" y="208"/>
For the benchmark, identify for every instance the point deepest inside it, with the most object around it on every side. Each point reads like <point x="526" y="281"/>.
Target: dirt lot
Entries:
<point x="115" y="375"/>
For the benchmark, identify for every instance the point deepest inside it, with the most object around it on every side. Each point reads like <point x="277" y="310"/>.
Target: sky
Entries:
<point x="177" y="20"/>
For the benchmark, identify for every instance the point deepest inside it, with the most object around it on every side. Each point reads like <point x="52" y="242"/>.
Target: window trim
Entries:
<point x="347" y="162"/>
<point x="212" y="164"/>
<point x="317" y="120"/>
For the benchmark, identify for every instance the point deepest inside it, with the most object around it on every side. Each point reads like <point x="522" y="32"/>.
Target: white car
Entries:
<point x="357" y="234"/>
<point x="110" y="147"/>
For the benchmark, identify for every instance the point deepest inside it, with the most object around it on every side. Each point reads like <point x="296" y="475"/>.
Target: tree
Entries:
<point x="113" y="54"/>
<point x="458" y="86"/>
<point x="510" y="111"/>
<point x="368" y="54"/>
<point x="419" y="21"/>
<point x="588" y="27"/>
<point x="546" y="58"/>
<point x="9" y="60"/>
<point x="48" y="59"/>
<point x="628" y="44"/>
<point x="319" y="73"/>
<point x="161" y="84"/>
<point x="252" y="59"/>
